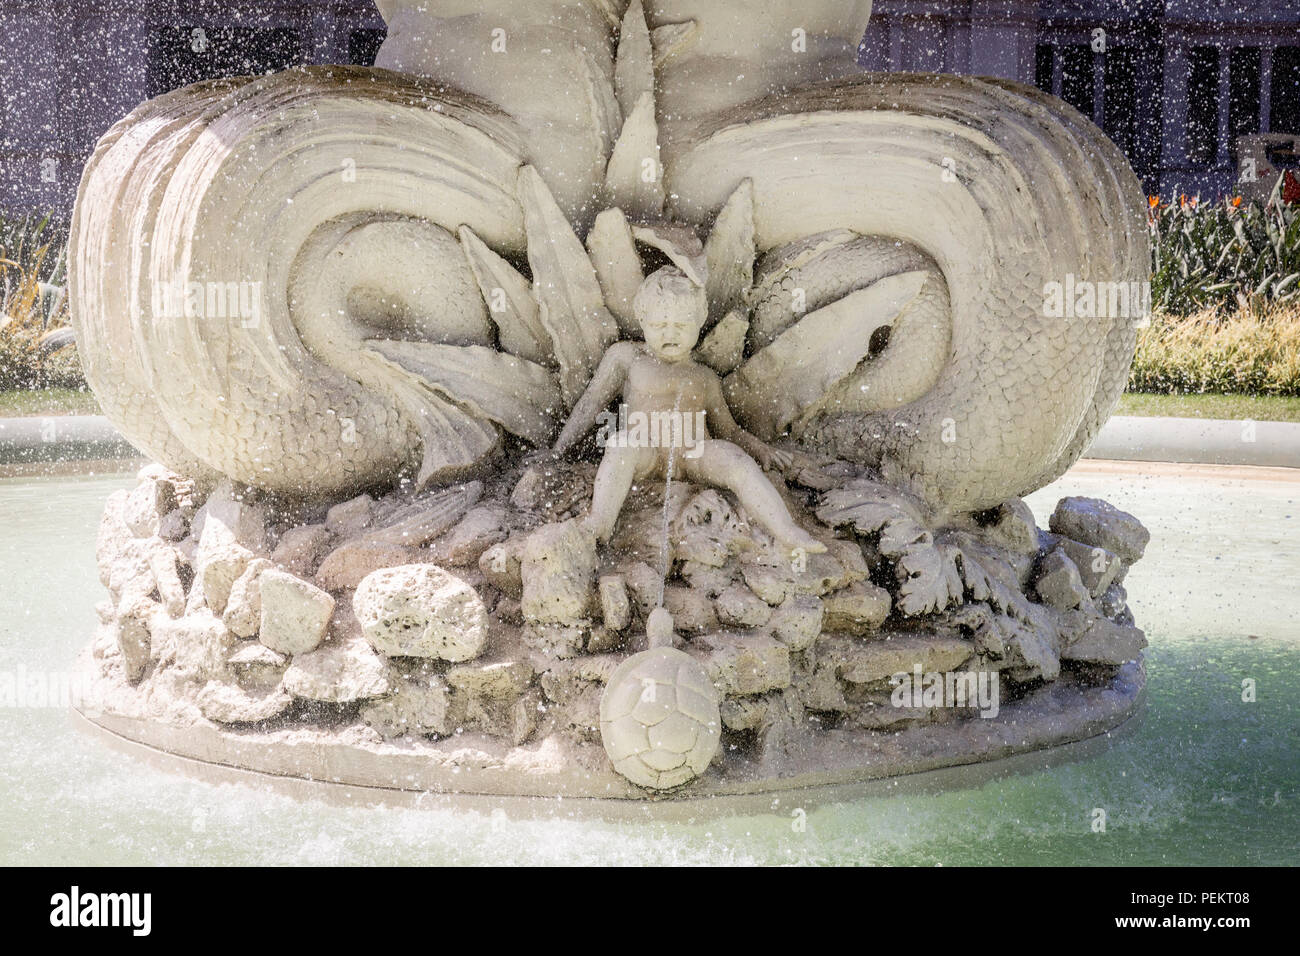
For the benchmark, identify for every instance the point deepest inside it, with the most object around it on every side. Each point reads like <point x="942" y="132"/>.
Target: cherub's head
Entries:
<point x="672" y="310"/>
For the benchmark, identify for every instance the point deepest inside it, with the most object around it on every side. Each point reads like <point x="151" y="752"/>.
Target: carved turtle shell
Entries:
<point x="659" y="719"/>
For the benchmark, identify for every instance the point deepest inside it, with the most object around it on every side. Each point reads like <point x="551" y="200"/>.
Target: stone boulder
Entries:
<point x="1101" y="525"/>
<point x="421" y="610"/>
<point x="338" y="672"/>
<point x="295" y="613"/>
<point x="558" y="573"/>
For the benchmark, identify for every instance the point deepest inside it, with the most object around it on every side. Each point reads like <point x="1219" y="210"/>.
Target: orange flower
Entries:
<point x="1236" y="201"/>
<point x="1153" y="201"/>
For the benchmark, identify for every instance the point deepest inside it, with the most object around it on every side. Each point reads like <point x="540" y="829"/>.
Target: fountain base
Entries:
<point x="1029" y="734"/>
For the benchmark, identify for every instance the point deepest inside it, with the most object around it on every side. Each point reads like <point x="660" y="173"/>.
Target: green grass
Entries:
<point x="25" y="403"/>
<point x="1260" y="408"/>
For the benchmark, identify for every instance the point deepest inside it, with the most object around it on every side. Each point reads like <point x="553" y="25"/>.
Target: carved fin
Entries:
<point x="723" y="349"/>
<point x="800" y="369"/>
<point x="618" y="266"/>
<point x="731" y="251"/>
<point x="681" y="245"/>
<point x="634" y="177"/>
<point x="669" y="39"/>
<point x="520" y="396"/>
<point x="510" y="301"/>
<point x="634" y="70"/>
<point x="571" y="304"/>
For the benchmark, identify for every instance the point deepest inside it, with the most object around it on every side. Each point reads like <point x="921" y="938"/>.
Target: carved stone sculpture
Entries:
<point x="350" y="311"/>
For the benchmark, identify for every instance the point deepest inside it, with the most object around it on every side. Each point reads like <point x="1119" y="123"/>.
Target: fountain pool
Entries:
<point x="1203" y="777"/>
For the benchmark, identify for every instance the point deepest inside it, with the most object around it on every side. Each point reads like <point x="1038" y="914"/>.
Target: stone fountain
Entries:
<point x="607" y="399"/>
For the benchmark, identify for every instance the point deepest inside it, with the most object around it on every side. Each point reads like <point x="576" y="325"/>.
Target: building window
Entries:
<point x="1121" y="99"/>
<point x="363" y="46"/>
<point x="1043" y="67"/>
<point x="1076" y="78"/>
<point x="1284" y="116"/>
<point x="1243" y="95"/>
<point x="1203" y="105"/>
<point x="180" y="56"/>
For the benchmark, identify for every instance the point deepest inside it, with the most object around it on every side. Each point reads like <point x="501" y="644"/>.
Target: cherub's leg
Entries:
<point x="725" y="465"/>
<point x="618" y="469"/>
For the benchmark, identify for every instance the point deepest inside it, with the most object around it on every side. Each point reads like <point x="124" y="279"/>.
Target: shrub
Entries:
<point x="1250" y="350"/>
<point x="1223" y="255"/>
<point x="34" y="308"/>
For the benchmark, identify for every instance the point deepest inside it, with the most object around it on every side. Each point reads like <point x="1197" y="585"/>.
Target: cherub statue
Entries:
<point x="659" y="378"/>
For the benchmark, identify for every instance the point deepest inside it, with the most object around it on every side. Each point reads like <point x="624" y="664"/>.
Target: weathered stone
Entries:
<point x="1011" y="526"/>
<point x="173" y="526"/>
<point x="339" y="672"/>
<point x="552" y="489"/>
<point x="1097" y="567"/>
<point x="692" y="611"/>
<point x="738" y="606"/>
<point x="821" y="690"/>
<point x="773" y="585"/>
<point x="712" y="581"/>
<point x="798" y="621"/>
<point x="421" y="610"/>
<point x="243" y="614"/>
<point x="616" y="608"/>
<point x="865" y="662"/>
<point x="300" y="549"/>
<point x="349" y="564"/>
<point x="133" y="637"/>
<point x="602" y="640"/>
<point x="557" y="640"/>
<point x="351" y="517"/>
<point x="166" y="577"/>
<point x="198" y="644"/>
<point x="515" y="721"/>
<point x="242" y="519"/>
<point x="558" y="571"/>
<point x="740" y="664"/>
<point x="708" y="531"/>
<point x="1114" y="605"/>
<point x="416" y="706"/>
<point x="858" y="609"/>
<point x="463" y="545"/>
<point x="413" y="524"/>
<point x="744" y="713"/>
<point x="257" y="666"/>
<point x="643" y="584"/>
<point x="1099" y="641"/>
<point x="499" y="678"/>
<point x="295" y="613"/>
<point x="145" y="505"/>
<point x="502" y="566"/>
<point x="815" y="574"/>
<point x="1100" y="524"/>
<point x="1058" y="582"/>
<point x="227" y="529"/>
<point x="228" y="704"/>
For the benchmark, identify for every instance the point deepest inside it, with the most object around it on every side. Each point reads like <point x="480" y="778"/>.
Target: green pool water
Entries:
<point x="1205" y="778"/>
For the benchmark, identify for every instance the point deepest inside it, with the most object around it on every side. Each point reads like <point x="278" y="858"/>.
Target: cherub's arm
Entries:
<point x="604" y="386"/>
<point x="722" y="425"/>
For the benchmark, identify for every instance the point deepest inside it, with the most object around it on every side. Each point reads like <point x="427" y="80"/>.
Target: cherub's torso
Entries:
<point x="653" y="385"/>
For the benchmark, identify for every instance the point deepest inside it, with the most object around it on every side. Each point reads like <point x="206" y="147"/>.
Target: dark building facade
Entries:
<point x="1174" y="82"/>
<point x="69" y="69"/>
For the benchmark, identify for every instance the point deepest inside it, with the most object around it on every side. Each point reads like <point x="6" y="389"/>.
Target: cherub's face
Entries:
<point x="672" y="327"/>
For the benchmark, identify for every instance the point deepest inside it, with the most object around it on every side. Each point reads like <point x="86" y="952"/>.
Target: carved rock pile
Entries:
<point x="485" y="609"/>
